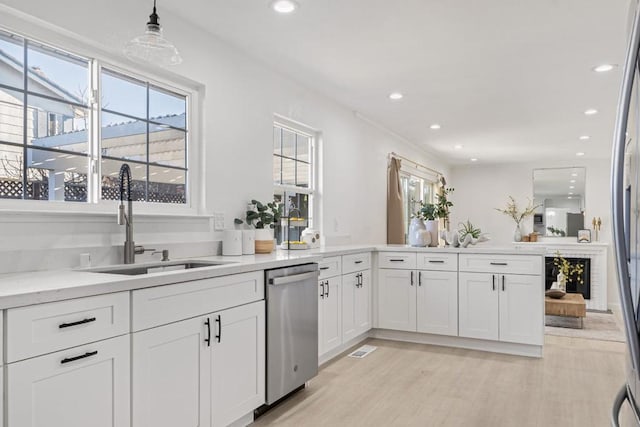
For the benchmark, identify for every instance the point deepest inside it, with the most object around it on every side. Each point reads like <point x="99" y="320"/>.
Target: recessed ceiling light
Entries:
<point x="284" y="6"/>
<point x="434" y="126"/>
<point x="395" y="96"/>
<point x="573" y="181"/>
<point x="574" y="174"/>
<point x="457" y="147"/>
<point x="603" y="68"/>
<point x="580" y="154"/>
<point x="474" y="159"/>
<point x="571" y="187"/>
<point x="584" y="137"/>
<point x="571" y="194"/>
<point x="568" y="197"/>
<point x="591" y="112"/>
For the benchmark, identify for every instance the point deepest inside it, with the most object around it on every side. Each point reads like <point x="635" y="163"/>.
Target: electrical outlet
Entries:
<point x="218" y="221"/>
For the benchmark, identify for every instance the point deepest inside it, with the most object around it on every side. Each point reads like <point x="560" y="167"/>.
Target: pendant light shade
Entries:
<point x="151" y="46"/>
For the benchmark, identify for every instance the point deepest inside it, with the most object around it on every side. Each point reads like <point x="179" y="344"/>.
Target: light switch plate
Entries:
<point x="218" y="221"/>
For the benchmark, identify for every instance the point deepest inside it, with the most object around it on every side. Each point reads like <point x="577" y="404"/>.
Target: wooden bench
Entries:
<point x="571" y="305"/>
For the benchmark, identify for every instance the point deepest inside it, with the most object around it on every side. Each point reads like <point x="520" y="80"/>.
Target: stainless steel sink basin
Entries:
<point x="138" y="269"/>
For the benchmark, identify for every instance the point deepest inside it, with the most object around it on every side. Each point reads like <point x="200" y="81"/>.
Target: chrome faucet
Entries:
<point x="126" y="219"/>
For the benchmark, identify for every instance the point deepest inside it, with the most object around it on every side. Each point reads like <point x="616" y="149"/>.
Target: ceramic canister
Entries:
<point x="248" y="242"/>
<point x="232" y="242"/>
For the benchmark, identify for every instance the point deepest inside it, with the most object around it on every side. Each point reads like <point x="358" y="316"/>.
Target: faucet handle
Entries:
<point x="139" y="249"/>
<point x="165" y="254"/>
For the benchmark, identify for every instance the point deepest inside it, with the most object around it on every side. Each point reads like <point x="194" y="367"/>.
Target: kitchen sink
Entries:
<point x="139" y="269"/>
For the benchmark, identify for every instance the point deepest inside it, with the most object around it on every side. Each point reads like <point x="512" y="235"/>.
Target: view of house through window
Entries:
<point x="46" y="144"/>
<point x="293" y="180"/>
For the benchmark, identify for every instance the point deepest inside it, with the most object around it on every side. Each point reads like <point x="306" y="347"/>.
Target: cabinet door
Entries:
<point x="397" y="300"/>
<point x="237" y="362"/>
<point x="438" y="302"/>
<point x="363" y="303"/>
<point x="350" y="291"/>
<point x="521" y="309"/>
<point x="80" y="387"/>
<point x="478" y="307"/>
<point x="331" y="314"/>
<point x="170" y="375"/>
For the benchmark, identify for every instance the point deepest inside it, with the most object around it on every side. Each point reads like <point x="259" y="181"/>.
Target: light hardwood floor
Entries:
<point x="403" y="384"/>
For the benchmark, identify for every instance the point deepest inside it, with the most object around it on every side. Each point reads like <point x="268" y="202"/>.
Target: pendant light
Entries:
<point x="151" y="46"/>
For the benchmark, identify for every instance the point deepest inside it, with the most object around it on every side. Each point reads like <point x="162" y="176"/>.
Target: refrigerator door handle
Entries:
<point x="621" y="396"/>
<point x="618" y="188"/>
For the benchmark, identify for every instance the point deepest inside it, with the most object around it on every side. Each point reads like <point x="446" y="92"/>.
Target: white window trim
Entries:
<point x="38" y="30"/>
<point x="313" y="189"/>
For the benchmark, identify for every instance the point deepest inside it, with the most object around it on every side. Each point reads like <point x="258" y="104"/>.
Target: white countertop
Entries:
<point x="20" y="289"/>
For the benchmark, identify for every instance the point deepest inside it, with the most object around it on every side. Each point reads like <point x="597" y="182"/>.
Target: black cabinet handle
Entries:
<point x="219" y="322"/>
<point x="412" y="278"/>
<point x="493" y="281"/>
<point x="499" y="263"/>
<point x="358" y="262"/>
<point x="328" y="286"/>
<point x="208" y="338"/>
<point x="396" y="260"/>
<point x="358" y="280"/>
<point x="82" y="356"/>
<point x="503" y="282"/>
<point x="419" y="278"/>
<point x="79" y="322"/>
<point x="436" y="261"/>
<point x="324" y="268"/>
<point x="322" y="293"/>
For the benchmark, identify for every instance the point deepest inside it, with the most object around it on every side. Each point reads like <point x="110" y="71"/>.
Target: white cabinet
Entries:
<point x="237" y="362"/>
<point x="329" y="314"/>
<point x="397" y="300"/>
<point x="506" y="305"/>
<point x="197" y="372"/>
<point x="170" y="375"/>
<point x="356" y="304"/>
<point x="78" y="387"/>
<point x="437" y="302"/>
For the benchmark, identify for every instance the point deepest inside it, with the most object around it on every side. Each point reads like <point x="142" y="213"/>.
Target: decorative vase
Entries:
<point x="562" y="282"/>
<point x="517" y="235"/>
<point x="264" y="240"/>
<point x="432" y="228"/>
<point x="418" y="235"/>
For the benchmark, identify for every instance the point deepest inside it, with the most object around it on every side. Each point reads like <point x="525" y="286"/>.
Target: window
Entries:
<point x="293" y="178"/>
<point x="50" y="108"/>
<point x="414" y="189"/>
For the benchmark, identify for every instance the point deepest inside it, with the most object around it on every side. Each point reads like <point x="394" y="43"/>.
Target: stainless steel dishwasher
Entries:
<point x="292" y="328"/>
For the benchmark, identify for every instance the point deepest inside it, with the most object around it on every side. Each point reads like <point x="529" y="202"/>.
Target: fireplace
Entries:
<point x="551" y="273"/>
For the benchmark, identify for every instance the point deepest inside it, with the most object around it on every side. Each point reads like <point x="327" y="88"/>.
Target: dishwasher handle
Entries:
<point x="285" y="280"/>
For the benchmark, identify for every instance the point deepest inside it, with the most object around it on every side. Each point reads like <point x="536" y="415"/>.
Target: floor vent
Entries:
<point x="363" y="351"/>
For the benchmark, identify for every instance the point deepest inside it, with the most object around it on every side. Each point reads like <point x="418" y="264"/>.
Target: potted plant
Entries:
<point x="443" y="205"/>
<point x="567" y="271"/>
<point x="429" y="213"/>
<point x="263" y="217"/>
<point x="512" y="211"/>
<point x="418" y="235"/>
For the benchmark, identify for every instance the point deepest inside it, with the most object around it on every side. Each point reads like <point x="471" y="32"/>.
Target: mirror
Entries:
<point x="560" y="192"/>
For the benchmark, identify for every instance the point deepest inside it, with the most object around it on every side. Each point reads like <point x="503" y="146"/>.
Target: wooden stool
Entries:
<point x="571" y="305"/>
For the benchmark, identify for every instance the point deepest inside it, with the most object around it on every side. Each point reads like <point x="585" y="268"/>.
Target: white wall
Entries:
<point x="240" y="98"/>
<point x="479" y="189"/>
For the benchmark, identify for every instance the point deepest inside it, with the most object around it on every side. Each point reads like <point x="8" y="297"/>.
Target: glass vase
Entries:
<point x="517" y="235"/>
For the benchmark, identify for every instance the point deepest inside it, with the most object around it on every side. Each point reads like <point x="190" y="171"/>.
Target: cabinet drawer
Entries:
<point x="356" y="262"/>
<point x="44" y="328"/>
<point x="402" y="260"/>
<point x="513" y="264"/>
<point x="437" y="262"/>
<point x="330" y="267"/>
<point x="171" y="303"/>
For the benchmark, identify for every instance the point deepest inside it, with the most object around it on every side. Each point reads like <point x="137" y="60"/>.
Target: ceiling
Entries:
<point x="508" y="80"/>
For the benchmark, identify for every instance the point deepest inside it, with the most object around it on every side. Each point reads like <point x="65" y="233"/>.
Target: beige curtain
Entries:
<point x="395" y="222"/>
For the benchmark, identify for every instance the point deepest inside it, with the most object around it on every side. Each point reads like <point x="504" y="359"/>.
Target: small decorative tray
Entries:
<point x="294" y="246"/>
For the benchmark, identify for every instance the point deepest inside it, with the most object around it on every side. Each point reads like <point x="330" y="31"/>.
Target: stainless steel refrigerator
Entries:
<point x="625" y="204"/>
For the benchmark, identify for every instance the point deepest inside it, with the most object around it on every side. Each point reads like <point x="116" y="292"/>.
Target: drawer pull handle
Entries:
<point x="396" y="260"/>
<point x="359" y="262"/>
<point x="82" y="356"/>
<point x="436" y="261"/>
<point x="208" y="338"/>
<point x="79" y="322"/>
<point x="498" y="263"/>
<point x="219" y="322"/>
<point x="324" y="268"/>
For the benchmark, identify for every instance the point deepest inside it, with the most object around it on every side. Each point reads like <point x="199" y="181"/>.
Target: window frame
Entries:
<point x="312" y="190"/>
<point x="427" y="179"/>
<point x="36" y="31"/>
